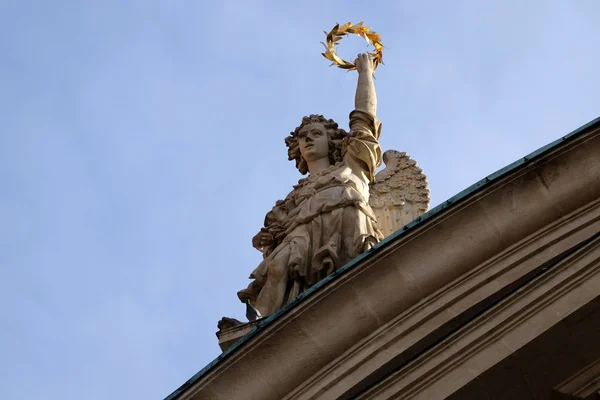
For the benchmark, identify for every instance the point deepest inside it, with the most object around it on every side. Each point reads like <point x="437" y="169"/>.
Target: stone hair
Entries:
<point x="334" y="134"/>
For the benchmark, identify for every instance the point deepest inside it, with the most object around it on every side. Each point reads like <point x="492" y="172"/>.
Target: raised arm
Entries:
<point x="366" y="99"/>
<point x="363" y="153"/>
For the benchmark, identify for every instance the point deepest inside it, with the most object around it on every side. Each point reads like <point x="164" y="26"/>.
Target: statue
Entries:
<point x="327" y="219"/>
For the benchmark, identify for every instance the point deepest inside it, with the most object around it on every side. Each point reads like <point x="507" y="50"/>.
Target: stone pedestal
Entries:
<point x="230" y="335"/>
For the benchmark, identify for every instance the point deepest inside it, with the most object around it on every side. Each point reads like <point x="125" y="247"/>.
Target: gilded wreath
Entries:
<point x="338" y="32"/>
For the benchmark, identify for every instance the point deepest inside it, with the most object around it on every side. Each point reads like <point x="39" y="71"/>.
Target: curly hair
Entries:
<point x="334" y="134"/>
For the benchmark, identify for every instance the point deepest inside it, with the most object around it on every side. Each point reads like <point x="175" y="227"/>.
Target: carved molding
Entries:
<point x="584" y="385"/>
<point x="499" y="332"/>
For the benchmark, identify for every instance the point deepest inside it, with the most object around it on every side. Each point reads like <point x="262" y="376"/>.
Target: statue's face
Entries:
<point x="314" y="142"/>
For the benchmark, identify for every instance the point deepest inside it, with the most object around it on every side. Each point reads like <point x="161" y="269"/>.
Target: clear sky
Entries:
<point x="141" y="143"/>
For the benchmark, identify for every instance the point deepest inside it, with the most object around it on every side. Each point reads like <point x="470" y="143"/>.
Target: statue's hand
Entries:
<point x="364" y="64"/>
<point x="266" y="239"/>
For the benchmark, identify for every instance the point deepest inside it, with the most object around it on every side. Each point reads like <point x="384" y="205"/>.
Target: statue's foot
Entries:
<point x="328" y="266"/>
<point x="369" y="244"/>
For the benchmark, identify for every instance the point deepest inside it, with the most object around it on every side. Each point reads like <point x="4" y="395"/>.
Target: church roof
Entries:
<point x="466" y="193"/>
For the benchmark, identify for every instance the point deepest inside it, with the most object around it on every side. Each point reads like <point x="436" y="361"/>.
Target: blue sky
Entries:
<point x="141" y="143"/>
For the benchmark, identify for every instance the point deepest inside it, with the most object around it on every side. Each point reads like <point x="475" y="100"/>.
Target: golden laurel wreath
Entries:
<point x="338" y="32"/>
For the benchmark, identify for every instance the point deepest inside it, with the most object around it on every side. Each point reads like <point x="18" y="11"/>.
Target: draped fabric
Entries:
<point x="325" y="221"/>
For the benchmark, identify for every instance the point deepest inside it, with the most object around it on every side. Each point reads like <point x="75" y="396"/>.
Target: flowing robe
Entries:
<point x="326" y="220"/>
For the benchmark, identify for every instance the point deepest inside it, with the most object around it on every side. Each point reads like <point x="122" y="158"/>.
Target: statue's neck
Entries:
<point x="318" y="166"/>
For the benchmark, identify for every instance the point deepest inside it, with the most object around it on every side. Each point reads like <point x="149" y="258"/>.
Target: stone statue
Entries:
<point x="327" y="220"/>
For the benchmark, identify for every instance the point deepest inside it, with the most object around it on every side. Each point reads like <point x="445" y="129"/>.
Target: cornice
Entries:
<point x="500" y="331"/>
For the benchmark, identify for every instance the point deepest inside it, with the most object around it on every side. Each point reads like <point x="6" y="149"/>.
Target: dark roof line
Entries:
<point x="411" y="225"/>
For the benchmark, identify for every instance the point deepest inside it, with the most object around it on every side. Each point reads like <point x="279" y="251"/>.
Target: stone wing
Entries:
<point x="400" y="192"/>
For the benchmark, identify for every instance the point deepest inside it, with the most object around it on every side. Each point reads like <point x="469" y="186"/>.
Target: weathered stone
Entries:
<point x="327" y="219"/>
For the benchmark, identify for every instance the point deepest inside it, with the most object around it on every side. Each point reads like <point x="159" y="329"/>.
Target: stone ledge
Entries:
<point x="229" y="335"/>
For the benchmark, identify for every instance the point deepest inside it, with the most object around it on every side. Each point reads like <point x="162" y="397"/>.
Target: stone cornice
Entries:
<point x="500" y="331"/>
<point x="584" y="384"/>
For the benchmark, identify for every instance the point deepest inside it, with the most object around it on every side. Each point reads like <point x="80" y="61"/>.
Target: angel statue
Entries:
<point x="328" y="219"/>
